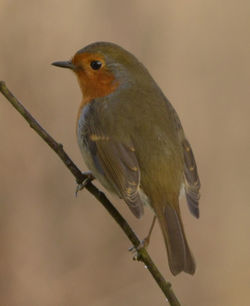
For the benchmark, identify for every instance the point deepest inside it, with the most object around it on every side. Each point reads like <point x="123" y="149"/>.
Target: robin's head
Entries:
<point x="102" y="67"/>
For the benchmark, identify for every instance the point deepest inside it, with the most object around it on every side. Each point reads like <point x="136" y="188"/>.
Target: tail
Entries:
<point x="179" y="255"/>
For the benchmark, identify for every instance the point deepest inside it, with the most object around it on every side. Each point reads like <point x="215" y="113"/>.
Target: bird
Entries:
<point x="132" y="141"/>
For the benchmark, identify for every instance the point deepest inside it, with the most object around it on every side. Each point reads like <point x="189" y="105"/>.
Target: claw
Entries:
<point x="89" y="178"/>
<point x="134" y="250"/>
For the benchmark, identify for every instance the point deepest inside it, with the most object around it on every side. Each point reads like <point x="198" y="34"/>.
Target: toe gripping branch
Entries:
<point x="87" y="177"/>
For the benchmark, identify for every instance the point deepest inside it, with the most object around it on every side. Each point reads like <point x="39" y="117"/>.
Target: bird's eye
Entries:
<point x="96" y="65"/>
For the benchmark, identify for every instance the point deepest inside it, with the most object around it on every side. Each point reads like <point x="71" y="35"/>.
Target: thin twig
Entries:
<point x="100" y="196"/>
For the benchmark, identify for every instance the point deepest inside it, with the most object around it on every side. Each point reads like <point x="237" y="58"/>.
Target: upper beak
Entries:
<point x="66" y="64"/>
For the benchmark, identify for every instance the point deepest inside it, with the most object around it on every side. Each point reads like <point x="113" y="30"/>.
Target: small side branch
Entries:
<point x="100" y="196"/>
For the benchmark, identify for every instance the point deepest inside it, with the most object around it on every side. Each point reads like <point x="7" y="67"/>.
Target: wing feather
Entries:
<point x="119" y="165"/>
<point x="192" y="181"/>
<point x="191" y="177"/>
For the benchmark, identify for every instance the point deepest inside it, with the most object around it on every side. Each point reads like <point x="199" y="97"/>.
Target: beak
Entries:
<point x="66" y="64"/>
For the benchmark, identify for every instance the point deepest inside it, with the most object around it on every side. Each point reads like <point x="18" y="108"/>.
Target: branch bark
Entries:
<point x="100" y="196"/>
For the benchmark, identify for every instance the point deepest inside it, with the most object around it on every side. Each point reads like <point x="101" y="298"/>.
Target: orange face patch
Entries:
<point x="95" y="83"/>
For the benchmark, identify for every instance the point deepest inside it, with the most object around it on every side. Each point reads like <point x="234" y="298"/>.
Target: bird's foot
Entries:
<point x="135" y="250"/>
<point x="144" y="243"/>
<point x="88" y="178"/>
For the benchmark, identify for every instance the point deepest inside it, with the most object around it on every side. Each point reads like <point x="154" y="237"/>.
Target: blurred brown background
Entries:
<point x="57" y="250"/>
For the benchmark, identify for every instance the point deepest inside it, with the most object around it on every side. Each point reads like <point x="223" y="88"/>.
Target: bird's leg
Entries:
<point x="145" y="242"/>
<point x="88" y="178"/>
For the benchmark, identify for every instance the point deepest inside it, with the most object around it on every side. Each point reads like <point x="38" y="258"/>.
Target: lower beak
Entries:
<point x="66" y="64"/>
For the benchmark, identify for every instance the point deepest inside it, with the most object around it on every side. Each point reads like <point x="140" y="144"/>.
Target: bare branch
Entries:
<point x="100" y="196"/>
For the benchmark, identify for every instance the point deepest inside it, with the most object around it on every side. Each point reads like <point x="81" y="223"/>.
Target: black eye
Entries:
<point x="96" y="65"/>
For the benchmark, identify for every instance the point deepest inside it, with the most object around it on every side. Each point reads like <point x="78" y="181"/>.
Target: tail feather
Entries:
<point x="179" y="254"/>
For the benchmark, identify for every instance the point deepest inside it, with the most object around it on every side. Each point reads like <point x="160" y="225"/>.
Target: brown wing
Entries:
<point x="191" y="177"/>
<point x="118" y="163"/>
<point x="192" y="181"/>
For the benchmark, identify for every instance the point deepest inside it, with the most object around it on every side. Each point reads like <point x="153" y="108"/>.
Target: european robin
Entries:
<point x="132" y="141"/>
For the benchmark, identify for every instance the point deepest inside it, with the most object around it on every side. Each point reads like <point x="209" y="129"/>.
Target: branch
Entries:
<point x="100" y="196"/>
